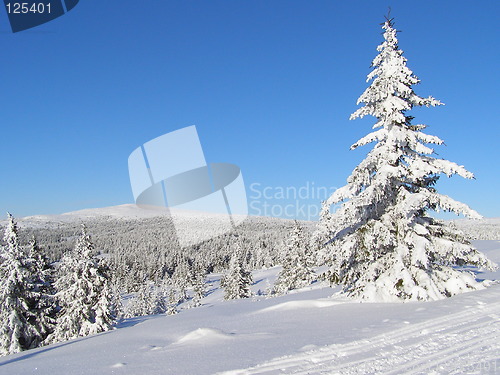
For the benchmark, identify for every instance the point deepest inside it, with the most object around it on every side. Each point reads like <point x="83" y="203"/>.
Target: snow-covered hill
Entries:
<point x="306" y="332"/>
<point x="124" y="228"/>
<point x="124" y="211"/>
<point x="485" y="229"/>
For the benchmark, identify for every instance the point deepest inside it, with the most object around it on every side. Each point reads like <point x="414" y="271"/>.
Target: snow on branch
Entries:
<point x="374" y="136"/>
<point x="448" y="204"/>
<point x="426" y="138"/>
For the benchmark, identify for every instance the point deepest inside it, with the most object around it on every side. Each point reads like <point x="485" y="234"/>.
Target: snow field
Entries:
<point x="305" y="332"/>
<point x="454" y="343"/>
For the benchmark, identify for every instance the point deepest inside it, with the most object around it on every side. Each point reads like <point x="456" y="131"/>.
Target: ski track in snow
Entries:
<point x="466" y="342"/>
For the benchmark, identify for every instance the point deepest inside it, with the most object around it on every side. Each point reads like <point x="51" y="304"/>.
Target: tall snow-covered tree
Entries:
<point x="16" y="332"/>
<point x="297" y="263"/>
<point x="83" y="292"/>
<point x="42" y="307"/>
<point x="236" y="282"/>
<point x="382" y="242"/>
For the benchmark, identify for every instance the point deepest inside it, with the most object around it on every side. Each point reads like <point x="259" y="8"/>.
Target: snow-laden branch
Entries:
<point x="374" y="136"/>
<point x="426" y="138"/>
<point x="450" y="168"/>
<point x="448" y="204"/>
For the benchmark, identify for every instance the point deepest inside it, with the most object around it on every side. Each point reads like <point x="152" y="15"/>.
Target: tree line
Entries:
<point x="48" y="297"/>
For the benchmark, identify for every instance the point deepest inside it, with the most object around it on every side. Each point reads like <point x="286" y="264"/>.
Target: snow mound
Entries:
<point x="297" y="305"/>
<point x="203" y="335"/>
<point x="118" y="365"/>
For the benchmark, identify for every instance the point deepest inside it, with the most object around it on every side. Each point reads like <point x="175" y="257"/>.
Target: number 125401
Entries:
<point x="23" y="8"/>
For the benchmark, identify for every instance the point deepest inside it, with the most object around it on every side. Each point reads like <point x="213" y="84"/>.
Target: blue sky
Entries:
<point x="270" y="86"/>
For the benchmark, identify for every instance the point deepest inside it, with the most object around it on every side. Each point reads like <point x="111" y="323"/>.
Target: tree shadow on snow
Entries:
<point x="130" y="322"/>
<point x="34" y="352"/>
<point x="476" y="271"/>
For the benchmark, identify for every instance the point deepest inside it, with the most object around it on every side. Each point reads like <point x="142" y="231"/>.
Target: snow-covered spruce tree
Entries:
<point x="182" y="277"/>
<point x="149" y="300"/>
<point x="42" y="307"/>
<point x="172" y="302"/>
<point x="107" y="306"/>
<point x="236" y="282"/>
<point x="117" y="308"/>
<point x="297" y="263"/>
<point x="198" y="283"/>
<point x="16" y="332"/>
<point x="83" y="292"/>
<point x="382" y="243"/>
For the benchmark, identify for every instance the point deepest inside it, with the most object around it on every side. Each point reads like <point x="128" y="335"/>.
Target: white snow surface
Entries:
<point x="309" y="331"/>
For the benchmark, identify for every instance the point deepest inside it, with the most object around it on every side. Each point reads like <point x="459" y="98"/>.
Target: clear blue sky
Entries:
<point x="270" y="86"/>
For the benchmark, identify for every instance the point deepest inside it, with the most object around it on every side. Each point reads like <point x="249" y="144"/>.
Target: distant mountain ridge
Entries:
<point x="130" y="210"/>
<point x="485" y="229"/>
<point x="127" y="211"/>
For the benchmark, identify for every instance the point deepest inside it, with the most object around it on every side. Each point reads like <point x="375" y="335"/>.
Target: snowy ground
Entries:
<point x="306" y="332"/>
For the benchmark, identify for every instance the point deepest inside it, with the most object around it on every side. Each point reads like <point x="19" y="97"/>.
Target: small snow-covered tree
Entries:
<point x="84" y="295"/>
<point x="198" y="282"/>
<point x="16" y="331"/>
<point x="149" y="300"/>
<point x="172" y="302"/>
<point x="182" y="278"/>
<point x="117" y="310"/>
<point x="297" y="263"/>
<point x="382" y="243"/>
<point x="105" y="303"/>
<point x="236" y="282"/>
